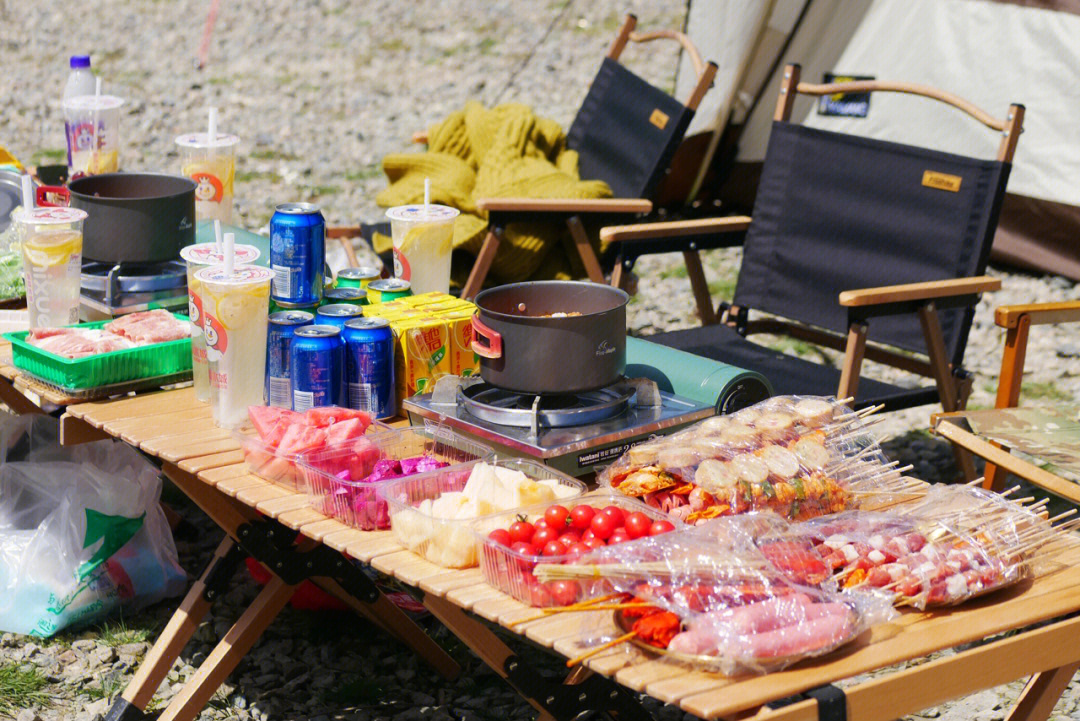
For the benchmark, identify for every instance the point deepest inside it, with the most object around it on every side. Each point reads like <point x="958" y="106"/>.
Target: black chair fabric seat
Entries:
<point x="788" y="374"/>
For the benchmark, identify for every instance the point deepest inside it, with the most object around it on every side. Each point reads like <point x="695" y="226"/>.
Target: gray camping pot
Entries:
<point x="133" y="217"/>
<point x="523" y="348"/>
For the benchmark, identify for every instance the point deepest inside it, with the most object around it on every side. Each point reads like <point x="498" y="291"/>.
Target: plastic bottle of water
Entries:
<point x="80" y="81"/>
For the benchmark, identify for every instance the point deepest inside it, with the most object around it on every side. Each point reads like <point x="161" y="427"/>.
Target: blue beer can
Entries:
<point x="279" y="334"/>
<point x="317" y="367"/>
<point x="297" y="253"/>
<point x="369" y="366"/>
<point x="336" y="314"/>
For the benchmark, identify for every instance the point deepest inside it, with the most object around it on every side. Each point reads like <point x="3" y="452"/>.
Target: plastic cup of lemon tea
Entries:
<point x="52" y="241"/>
<point x="234" y="311"/>
<point x="212" y="165"/>
<point x="200" y="256"/>
<point x="93" y="134"/>
<point x="423" y="238"/>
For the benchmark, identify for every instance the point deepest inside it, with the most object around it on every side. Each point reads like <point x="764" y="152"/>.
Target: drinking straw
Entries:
<point x="427" y="197"/>
<point x="217" y="235"/>
<point x="27" y="193"/>
<point x="94" y="130"/>
<point x="211" y="126"/>
<point x="229" y="256"/>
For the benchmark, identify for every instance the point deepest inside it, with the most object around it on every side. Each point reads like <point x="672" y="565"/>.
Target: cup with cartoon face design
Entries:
<point x="212" y="165"/>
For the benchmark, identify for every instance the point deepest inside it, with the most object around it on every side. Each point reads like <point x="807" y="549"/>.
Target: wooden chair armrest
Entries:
<point x="674" y="228"/>
<point x="1007" y="316"/>
<point x="420" y="136"/>
<point x="565" y="205"/>
<point x="919" y="291"/>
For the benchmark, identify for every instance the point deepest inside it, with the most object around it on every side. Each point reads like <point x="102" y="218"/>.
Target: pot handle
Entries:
<point x="492" y="339"/>
<point x="61" y="195"/>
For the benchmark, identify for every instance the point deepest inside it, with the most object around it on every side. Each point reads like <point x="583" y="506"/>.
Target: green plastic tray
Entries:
<point x="157" y="359"/>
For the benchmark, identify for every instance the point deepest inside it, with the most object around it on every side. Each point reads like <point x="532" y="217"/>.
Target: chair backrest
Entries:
<point x="836" y="212"/>
<point x="627" y="131"/>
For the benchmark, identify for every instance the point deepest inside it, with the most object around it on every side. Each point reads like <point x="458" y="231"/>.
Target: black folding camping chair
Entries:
<point x="837" y="213"/>
<point x="626" y="133"/>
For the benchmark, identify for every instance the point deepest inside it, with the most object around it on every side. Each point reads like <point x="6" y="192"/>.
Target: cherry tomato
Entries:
<point x="659" y="527"/>
<point x="544" y="536"/>
<point x="563" y="593"/>
<point x="588" y="534"/>
<point x="578" y="550"/>
<point x="602" y="526"/>
<point x="582" y="516"/>
<point x="556" y="517"/>
<point x="522" y="531"/>
<point x="523" y="547"/>
<point x="501" y="536"/>
<point x="616" y="513"/>
<point x="638" y="524"/>
<point x="539" y="595"/>
<point x="619" y="535"/>
<point x="569" y="538"/>
<point x="540" y="523"/>
<point x="594" y="542"/>
<point x="554" y="548"/>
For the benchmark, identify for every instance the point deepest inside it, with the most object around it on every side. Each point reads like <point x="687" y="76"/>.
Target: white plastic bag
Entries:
<point x="81" y="531"/>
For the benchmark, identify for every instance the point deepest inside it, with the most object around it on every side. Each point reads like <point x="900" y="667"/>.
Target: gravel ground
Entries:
<point x="319" y="92"/>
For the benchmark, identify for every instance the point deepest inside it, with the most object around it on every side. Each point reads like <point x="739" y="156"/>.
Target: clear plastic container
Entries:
<point x="355" y="502"/>
<point x="283" y="469"/>
<point x="451" y="542"/>
<point x="511" y="571"/>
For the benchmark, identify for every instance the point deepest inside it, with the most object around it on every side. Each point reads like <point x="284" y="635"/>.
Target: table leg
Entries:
<point x="15" y="400"/>
<point x="75" y="430"/>
<point x="201" y="687"/>
<point x="1042" y="693"/>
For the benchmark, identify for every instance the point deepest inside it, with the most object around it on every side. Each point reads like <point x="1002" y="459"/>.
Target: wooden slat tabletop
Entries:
<point x="174" y="422"/>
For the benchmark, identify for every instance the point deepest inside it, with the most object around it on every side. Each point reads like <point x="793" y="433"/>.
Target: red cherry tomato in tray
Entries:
<point x="581" y="516"/>
<point x="554" y="548"/>
<point x="603" y="525"/>
<point x="659" y="527"/>
<point x="616" y="513"/>
<point x="638" y="524"/>
<point x="563" y="593"/>
<point x="522" y="532"/>
<point x="556" y="517"/>
<point x="543" y="536"/>
<point x="501" y="536"/>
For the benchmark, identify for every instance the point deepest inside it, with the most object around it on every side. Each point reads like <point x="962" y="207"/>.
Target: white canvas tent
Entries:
<point x="989" y="52"/>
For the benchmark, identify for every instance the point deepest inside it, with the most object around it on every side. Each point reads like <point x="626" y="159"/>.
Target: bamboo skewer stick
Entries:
<point x="582" y="606"/>
<point x="602" y="647"/>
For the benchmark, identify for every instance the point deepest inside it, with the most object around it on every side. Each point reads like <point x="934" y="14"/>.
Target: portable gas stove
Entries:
<point x="111" y="290"/>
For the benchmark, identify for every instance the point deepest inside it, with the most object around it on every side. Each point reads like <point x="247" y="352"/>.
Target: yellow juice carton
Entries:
<point x="463" y="362"/>
<point x="422" y="354"/>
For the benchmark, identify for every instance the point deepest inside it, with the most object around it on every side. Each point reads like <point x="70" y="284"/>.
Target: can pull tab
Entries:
<point x="492" y="346"/>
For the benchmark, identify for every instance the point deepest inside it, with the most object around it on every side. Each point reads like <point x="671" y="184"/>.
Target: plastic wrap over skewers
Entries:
<point x="708" y="597"/>
<point x="801" y="457"/>
<point x="955" y="544"/>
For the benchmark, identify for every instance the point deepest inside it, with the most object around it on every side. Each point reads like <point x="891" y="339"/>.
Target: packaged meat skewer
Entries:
<point x="801" y="457"/>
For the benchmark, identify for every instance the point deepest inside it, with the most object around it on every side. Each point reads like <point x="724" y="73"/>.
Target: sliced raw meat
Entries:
<point x="80" y="344"/>
<point x="151" y="326"/>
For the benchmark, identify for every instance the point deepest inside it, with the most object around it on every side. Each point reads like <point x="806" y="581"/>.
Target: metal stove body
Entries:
<point x="110" y="290"/>
<point x="577" y="434"/>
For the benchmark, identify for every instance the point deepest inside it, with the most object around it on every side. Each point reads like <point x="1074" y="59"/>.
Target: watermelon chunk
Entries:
<point x="322" y="417"/>
<point x="306" y="439"/>
<point x="345" y="430"/>
<point x="264" y="418"/>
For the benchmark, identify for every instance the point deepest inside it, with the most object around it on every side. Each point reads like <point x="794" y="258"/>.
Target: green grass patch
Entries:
<point x="392" y="45"/>
<point x="487" y="45"/>
<point x="723" y="289"/>
<point x="802" y="349"/>
<point x="49" y="156"/>
<point x="322" y="190"/>
<point x="248" y="175"/>
<point x="365" y="173"/>
<point x="272" y="154"/>
<point x="678" y="271"/>
<point x="1047" y="391"/>
<point x="20" y="689"/>
<point x="117" y="633"/>
<point x="111" y="685"/>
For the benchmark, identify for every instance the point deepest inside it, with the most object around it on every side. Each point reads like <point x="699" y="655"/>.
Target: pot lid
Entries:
<point x="49" y="215"/>
<point x="421" y="212"/>
<point x="93" y="102"/>
<point x="211" y="254"/>
<point x="202" y="140"/>
<point x="241" y="275"/>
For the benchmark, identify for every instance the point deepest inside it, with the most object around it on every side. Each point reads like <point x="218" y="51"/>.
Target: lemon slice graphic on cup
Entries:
<point x="238" y="309"/>
<point x="437" y="239"/>
<point x="47" y="251"/>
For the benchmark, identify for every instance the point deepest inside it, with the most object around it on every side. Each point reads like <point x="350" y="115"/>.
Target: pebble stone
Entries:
<point x="319" y="92"/>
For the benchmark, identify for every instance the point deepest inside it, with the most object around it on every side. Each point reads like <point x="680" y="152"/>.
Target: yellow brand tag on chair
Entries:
<point x="941" y="181"/>
<point x="659" y="118"/>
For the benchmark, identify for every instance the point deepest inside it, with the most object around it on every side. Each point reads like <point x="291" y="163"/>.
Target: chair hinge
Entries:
<point x="221" y="570"/>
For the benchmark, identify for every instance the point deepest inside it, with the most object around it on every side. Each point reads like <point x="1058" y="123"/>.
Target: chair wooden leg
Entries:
<point x="200" y="688"/>
<point x="1010" y="379"/>
<point x="179" y="630"/>
<point x="700" y="286"/>
<point x="946" y="381"/>
<point x="1041" y="694"/>
<point x="853" y="358"/>
<point x="585" y="249"/>
<point x="482" y="265"/>
<point x="618" y="275"/>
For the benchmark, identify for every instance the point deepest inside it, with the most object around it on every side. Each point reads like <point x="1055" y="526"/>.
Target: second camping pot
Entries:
<point x="551" y="336"/>
<point x="132" y="217"/>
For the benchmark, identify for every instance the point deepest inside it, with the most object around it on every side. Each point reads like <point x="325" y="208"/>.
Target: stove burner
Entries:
<point x="496" y="405"/>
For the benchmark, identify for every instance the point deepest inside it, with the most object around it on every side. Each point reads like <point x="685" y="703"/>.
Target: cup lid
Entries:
<point x="241" y="275"/>
<point x="49" y="215"/>
<point x="202" y="140"/>
<point x="210" y="254"/>
<point x="93" y="102"/>
<point x="420" y="212"/>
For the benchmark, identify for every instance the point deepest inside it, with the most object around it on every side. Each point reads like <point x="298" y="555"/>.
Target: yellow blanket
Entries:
<point x="505" y="151"/>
